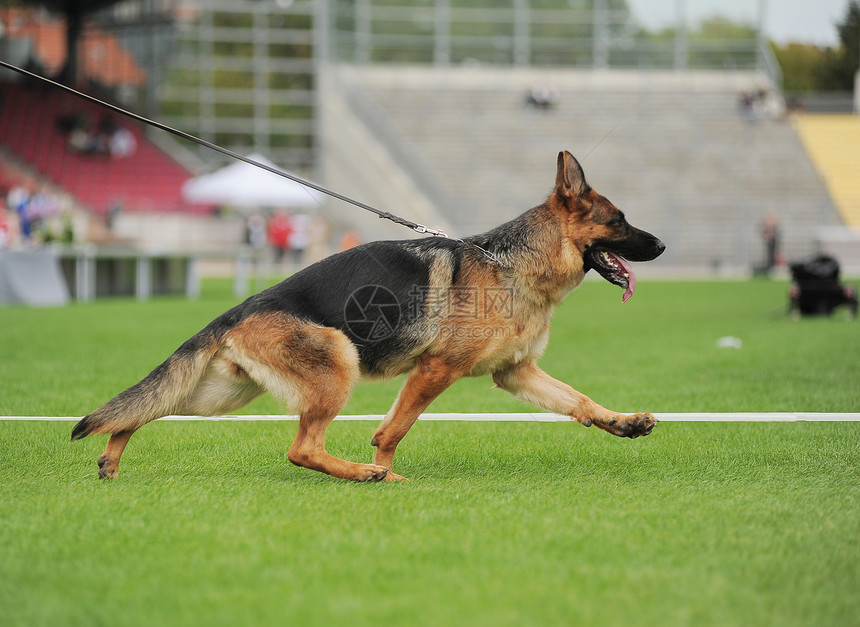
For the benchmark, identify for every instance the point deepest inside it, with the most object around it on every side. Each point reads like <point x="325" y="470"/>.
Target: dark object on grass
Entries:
<point x="816" y="291"/>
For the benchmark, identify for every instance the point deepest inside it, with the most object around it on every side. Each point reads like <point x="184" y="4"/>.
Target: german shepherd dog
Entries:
<point x="438" y="309"/>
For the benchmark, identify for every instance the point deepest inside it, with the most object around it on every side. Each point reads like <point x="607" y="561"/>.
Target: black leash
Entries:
<point x="418" y="228"/>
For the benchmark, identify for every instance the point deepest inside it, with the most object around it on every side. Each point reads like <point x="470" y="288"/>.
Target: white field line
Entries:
<point x="535" y="417"/>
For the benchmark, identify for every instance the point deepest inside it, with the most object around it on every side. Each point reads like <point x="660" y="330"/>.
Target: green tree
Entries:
<point x="842" y="63"/>
<point x="712" y="43"/>
<point x="803" y="66"/>
<point x="722" y="28"/>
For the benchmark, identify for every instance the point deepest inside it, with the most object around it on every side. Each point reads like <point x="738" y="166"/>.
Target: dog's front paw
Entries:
<point x="633" y="426"/>
<point x="393" y="476"/>
<point x="623" y="425"/>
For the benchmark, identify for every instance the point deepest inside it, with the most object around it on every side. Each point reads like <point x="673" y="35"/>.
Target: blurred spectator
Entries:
<point x="280" y="230"/>
<point x="748" y="107"/>
<point x="109" y="139"/>
<point x="300" y="237"/>
<point x="43" y="205"/>
<point x="773" y="105"/>
<point x="33" y="209"/>
<point x="255" y="231"/>
<point x="112" y="214"/>
<point x="770" y="235"/>
<point x="761" y="105"/>
<point x="18" y="200"/>
<point x="81" y="139"/>
<point x="122" y="144"/>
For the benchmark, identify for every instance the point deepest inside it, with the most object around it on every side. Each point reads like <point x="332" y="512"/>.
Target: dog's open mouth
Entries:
<point x="614" y="269"/>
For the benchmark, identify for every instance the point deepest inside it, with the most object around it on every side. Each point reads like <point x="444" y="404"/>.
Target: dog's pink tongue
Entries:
<point x="631" y="278"/>
<point x="629" y="291"/>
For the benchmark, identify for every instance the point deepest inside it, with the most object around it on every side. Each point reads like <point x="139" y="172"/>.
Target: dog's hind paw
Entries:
<point x="107" y="469"/>
<point x="370" y="473"/>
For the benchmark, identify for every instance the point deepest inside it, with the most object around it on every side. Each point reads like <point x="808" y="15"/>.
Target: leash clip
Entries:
<point x="420" y="228"/>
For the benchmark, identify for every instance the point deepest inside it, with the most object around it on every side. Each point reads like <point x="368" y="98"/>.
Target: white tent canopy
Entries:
<point x="243" y="185"/>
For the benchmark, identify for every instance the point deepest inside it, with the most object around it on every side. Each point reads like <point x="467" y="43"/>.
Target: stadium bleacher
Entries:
<point x="148" y="180"/>
<point x="672" y="149"/>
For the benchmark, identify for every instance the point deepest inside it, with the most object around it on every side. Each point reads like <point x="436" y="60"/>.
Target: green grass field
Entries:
<point x="501" y="523"/>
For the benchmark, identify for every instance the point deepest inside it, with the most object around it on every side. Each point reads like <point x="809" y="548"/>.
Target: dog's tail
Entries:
<point x="162" y="392"/>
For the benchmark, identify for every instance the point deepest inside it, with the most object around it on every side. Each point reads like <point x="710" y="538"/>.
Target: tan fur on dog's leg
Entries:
<point x="308" y="451"/>
<point x="109" y="461"/>
<point x="308" y="367"/>
<point x="528" y="382"/>
<point x="427" y="381"/>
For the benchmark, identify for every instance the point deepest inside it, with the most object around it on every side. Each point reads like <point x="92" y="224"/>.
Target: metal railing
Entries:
<point x="525" y="33"/>
<point x="244" y="74"/>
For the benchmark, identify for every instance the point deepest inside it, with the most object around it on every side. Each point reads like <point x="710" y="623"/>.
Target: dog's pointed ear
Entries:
<point x="569" y="178"/>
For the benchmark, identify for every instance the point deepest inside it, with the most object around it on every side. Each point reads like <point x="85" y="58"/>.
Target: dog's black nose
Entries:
<point x="659" y="247"/>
